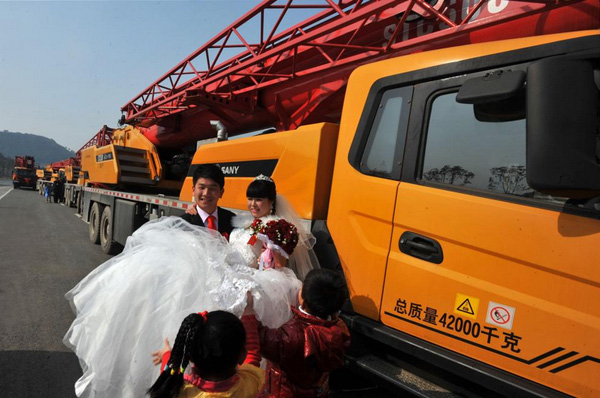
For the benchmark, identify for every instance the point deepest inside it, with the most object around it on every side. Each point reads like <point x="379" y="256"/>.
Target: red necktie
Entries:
<point x="211" y="222"/>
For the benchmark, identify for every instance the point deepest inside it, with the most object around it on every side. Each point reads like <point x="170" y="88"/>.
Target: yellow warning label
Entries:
<point x="466" y="305"/>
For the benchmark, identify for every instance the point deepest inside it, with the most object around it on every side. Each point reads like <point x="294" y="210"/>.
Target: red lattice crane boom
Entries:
<point x="285" y="79"/>
<point x="101" y="138"/>
<point x="65" y="163"/>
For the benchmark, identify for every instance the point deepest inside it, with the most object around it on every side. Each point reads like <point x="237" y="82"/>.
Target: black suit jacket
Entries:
<point x="224" y="221"/>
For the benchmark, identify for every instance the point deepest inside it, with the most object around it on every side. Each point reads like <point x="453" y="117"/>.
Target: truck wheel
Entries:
<point x="78" y="202"/>
<point x="109" y="246"/>
<point x="94" y="228"/>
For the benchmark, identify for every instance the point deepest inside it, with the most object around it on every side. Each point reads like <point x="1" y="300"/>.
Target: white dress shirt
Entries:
<point x="204" y="215"/>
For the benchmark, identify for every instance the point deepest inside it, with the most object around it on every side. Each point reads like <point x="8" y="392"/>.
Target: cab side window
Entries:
<point x="480" y="152"/>
<point x="382" y="155"/>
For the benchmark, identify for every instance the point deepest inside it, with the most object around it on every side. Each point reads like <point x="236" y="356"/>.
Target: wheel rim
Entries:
<point x="95" y="224"/>
<point x="105" y="230"/>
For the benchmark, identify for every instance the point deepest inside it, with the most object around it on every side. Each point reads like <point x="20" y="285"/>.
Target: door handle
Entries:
<point x="421" y="247"/>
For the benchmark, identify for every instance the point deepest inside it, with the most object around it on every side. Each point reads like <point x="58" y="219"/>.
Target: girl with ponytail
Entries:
<point x="215" y="343"/>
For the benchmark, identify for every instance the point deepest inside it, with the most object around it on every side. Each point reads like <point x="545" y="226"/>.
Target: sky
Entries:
<point x="67" y="67"/>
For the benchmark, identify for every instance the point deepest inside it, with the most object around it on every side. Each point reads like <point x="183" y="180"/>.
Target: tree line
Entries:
<point x="6" y="166"/>
<point x="506" y="179"/>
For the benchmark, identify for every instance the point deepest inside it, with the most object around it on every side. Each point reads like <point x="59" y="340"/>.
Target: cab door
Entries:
<point x="479" y="262"/>
<point x="364" y="189"/>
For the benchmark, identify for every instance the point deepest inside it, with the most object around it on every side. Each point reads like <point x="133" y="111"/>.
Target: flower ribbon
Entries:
<point x="266" y="260"/>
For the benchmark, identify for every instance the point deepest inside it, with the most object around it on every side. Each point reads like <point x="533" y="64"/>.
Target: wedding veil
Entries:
<point x="303" y="259"/>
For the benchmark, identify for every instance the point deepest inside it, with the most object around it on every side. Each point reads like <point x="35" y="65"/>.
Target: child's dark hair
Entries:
<point x="214" y="346"/>
<point x="263" y="188"/>
<point x="210" y="171"/>
<point x="324" y="292"/>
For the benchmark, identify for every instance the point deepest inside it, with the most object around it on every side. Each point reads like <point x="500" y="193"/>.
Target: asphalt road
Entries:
<point x="44" y="252"/>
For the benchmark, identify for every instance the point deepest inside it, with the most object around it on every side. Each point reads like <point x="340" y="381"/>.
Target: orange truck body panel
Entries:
<point x="303" y="166"/>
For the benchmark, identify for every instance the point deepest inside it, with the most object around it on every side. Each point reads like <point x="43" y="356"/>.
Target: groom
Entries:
<point x="208" y="186"/>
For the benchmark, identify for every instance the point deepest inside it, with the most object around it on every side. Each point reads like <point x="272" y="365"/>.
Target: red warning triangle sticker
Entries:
<point x="466" y="307"/>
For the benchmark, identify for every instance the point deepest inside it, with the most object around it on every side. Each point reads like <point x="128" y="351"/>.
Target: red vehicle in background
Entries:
<point x="24" y="172"/>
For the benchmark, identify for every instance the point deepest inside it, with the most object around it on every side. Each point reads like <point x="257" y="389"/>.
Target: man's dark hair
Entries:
<point x="324" y="292"/>
<point x="210" y="171"/>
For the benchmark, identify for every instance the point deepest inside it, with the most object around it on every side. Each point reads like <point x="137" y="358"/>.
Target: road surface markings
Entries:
<point x="7" y="192"/>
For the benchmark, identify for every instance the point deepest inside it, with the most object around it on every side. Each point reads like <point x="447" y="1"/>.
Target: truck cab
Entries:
<point x="465" y="213"/>
<point x="24" y="177"/>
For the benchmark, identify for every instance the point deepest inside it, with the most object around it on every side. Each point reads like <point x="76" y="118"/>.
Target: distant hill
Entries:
<point x="43" y="149"/>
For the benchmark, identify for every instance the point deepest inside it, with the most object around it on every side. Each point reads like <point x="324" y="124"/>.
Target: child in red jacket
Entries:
<point x="301" y="353"/>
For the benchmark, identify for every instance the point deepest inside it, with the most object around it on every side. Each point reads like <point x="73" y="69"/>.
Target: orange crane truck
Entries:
<point x="66" y="170"/>
<point x="23" y="174"/>
<point x="449" y="170"/>
<point x="460" y="197"/>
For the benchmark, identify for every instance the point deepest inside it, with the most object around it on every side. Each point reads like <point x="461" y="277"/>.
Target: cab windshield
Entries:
<point x="25" y="172"/>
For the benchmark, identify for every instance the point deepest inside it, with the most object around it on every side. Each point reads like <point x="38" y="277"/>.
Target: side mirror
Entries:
<point x="563" y="141"/>
<point x="493" y="87"/>
<point x="498" y="96"/>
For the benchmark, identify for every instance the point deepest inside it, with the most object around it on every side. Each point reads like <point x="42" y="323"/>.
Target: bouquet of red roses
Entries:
<point x="277" y="235"/>
<point x="281" y="233"/>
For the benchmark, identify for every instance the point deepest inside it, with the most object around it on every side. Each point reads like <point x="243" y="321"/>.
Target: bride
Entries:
<point x="168" y="269"/>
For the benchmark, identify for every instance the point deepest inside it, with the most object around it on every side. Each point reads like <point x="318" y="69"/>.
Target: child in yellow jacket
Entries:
<point x="215" y="343"/>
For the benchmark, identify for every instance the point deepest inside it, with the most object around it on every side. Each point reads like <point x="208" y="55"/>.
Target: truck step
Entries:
<point x="123" y="149"/>
<point x="132" y="159"/>
<point x="134" y="169"/>
<point x="400" y="378"/>
<point x="137" y="180"/>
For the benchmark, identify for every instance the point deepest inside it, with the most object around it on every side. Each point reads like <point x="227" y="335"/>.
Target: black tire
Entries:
<point x="78" y="203"/>
<point x="94" y="227"/>
<point x="109" y="246"/>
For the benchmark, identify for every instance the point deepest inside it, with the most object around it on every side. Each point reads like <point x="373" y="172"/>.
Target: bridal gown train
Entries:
<point x="168" y="269"/>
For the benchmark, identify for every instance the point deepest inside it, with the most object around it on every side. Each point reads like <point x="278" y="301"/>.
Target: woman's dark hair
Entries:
<point x="324" y="292"/>
<point x="211" y="172"/>
<point x="214" y="346"/>
<point x="263" y="189"/>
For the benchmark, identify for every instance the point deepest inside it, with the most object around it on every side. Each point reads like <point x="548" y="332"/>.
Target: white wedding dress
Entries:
<point x="168" y="269"/>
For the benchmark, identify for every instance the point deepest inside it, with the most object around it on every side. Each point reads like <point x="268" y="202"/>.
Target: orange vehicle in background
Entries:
<point x="24" y="174"/>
